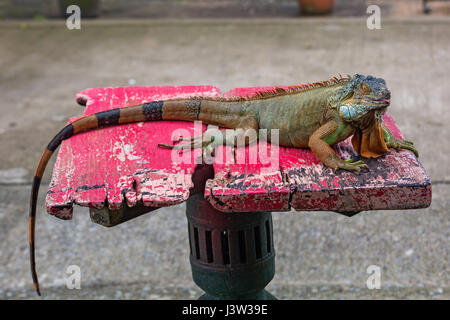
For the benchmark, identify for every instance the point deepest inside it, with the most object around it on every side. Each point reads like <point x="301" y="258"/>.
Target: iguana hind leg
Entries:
<point x="245" y="134"/>
<point x="191" y="143"/>
<point x="201" y="141"/>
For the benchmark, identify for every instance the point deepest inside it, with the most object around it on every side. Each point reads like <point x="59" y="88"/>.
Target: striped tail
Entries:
<point x="152" y="111"/>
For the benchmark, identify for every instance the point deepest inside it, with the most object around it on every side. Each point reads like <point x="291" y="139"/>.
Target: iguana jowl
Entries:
<point x="315" y="115"/>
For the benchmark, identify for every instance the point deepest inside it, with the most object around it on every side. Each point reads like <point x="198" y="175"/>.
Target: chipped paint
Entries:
<point x="120" y="166"/>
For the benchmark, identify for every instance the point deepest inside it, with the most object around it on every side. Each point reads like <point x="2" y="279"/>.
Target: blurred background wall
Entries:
<point x="42" y="9"/>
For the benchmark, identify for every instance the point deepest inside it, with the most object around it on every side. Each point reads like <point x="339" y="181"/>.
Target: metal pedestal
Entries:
<point x="232" y="254"/>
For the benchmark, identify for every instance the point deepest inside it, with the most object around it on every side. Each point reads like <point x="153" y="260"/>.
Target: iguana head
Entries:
<point x="362" y="103"/>
<point x="362" y="96"/>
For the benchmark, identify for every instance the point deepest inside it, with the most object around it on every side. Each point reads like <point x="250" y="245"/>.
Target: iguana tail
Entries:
<point x="181" y="109"/>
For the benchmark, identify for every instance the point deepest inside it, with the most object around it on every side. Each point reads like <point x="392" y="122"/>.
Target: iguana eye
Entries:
<point x="365" y="88"/>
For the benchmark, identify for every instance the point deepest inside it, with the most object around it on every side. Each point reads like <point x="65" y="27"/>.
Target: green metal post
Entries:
<point x="232" y="254"/>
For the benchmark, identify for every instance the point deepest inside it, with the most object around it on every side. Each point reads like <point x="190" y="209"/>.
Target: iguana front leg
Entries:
<point x="393" y="142"/>
<point x="329" y="134"/>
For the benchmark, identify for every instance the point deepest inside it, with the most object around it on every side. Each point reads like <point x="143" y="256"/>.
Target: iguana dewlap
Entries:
<point x="315" y="115"/>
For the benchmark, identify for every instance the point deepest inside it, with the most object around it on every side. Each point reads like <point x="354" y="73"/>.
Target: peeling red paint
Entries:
<point x="122" y="164"/>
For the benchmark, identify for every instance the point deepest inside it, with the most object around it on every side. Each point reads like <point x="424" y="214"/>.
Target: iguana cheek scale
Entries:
<point x="315" y="115"/>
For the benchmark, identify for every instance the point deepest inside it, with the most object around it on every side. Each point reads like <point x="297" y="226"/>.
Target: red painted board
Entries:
<point x="123" y="163"/>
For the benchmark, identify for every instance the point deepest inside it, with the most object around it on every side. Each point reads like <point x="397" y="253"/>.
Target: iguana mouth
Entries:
<point x="384" y="102"/>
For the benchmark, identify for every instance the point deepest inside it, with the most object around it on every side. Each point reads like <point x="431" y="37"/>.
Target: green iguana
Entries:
<point x="315" y="115"/>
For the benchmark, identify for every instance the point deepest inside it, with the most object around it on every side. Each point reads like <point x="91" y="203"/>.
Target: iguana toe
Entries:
<point x="403" y="144"/>
<point x="410" y="147"/>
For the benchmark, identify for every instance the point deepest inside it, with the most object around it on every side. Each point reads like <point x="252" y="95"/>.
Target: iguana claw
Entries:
<point x="333" y="161"/>
<point x="351" y="165"/>
<point x="207" y="145"/>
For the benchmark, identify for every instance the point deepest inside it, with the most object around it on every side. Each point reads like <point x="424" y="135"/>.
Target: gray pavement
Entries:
<point x="319" y="255"/>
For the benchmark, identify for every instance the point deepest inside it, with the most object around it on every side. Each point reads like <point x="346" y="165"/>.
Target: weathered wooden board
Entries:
<point x="122" y="165"/>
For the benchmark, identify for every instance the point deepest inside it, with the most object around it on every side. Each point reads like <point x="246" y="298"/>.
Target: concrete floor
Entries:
<point x="319" y="255"/>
